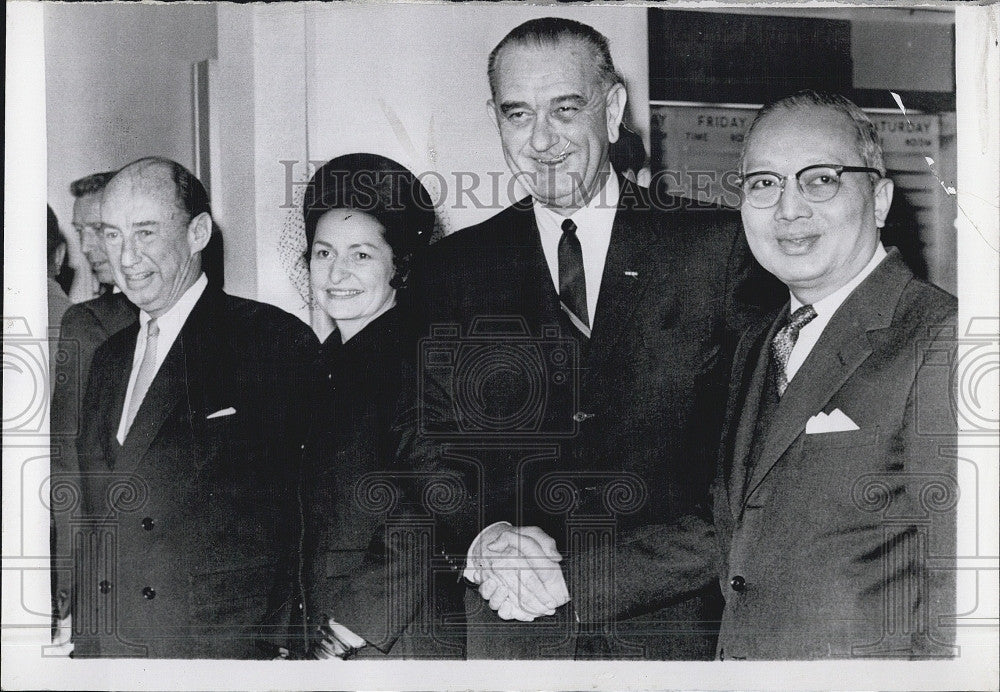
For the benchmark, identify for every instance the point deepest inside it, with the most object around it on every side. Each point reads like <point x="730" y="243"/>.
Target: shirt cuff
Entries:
<point x="472" y="571"/>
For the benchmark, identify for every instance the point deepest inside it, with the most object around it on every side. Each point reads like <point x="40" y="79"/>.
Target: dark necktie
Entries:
<point x="784" y="342"/>
<point x="572" y="286"/>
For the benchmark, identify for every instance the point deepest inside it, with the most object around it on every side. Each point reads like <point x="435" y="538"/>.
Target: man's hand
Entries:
<point x="517" y="569"/>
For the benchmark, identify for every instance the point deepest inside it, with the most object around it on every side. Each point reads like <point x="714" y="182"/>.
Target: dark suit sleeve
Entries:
<point x="285" y="371"/>
<point x="660" y="564"/>
<point x="79" y="338"/>
<point x="924" y="451"/>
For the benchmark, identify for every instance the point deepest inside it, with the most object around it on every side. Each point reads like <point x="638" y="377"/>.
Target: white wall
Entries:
<point x="118" y="86"/>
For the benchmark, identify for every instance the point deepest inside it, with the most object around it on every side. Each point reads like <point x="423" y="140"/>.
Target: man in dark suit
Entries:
<point x="189" y="445"/>
<point x="834" y="504"/>
<point x="85" y="326"/>
<point x="573" y="381"/>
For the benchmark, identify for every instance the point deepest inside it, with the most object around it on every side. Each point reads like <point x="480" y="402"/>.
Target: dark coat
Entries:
<point x="837" y="544"/>
<point x="85" y="326"/>
<point x="524" y="421"/>
<point x="190" y="530"/>
<point x="349" y="456"/>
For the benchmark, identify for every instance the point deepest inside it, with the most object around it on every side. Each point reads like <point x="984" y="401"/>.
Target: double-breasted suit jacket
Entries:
<point x="85" y="326"/>
<point x="837" y="544"/>
<point x="187" y="547"/>
<point x="586" y="438"/>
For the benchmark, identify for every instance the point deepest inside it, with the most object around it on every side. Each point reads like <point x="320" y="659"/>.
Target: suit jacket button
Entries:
<point x="104" y="586"/>
<point x="738" y="583"/>
<point x="148" y="523"/>
<point x="148" y="593"/>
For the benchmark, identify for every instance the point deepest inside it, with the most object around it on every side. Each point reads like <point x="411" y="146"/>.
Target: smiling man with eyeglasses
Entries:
<point x="838" y="427"/>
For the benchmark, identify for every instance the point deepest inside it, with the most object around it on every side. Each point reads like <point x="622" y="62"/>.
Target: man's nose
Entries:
<point x="89" y="241"/>
<point x="791" y="203"/>
<point x="543" y="137"/>
<point x="129" y="253"/>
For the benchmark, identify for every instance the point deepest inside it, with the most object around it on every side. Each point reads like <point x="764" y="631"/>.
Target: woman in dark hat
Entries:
<point x="365" y="217"/>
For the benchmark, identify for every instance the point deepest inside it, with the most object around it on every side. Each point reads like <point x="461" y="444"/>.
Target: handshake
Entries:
<point x="517" y="571"/>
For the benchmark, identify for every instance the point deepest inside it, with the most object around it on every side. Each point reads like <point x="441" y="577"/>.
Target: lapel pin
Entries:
<point x="634" y="275"/>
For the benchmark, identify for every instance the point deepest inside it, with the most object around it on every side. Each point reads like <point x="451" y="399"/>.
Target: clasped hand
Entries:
<point x="517" y="570"/>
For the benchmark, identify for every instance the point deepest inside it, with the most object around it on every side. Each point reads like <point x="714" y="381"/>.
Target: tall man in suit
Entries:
<point x="189" y="445"/>
<point x="834" y="504"/>
<point x="573" y="381"/>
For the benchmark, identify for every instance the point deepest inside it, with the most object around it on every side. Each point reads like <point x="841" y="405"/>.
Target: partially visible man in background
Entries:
<point x="92" y="274"/>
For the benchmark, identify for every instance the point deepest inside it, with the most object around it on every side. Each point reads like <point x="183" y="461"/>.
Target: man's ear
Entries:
<point x="614" y="110"/>
<point x="883" y="200"/>
<point x="199" y="232"/>
<point x="492" y="113"/>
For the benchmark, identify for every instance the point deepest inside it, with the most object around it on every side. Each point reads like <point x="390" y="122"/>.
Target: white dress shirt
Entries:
<point x="171" y="322"/>
<point x="825" y="309"/>
<point x="593" y="222"/>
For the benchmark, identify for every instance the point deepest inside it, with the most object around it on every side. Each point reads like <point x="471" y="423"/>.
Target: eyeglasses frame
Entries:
<point x="798" y="181"/>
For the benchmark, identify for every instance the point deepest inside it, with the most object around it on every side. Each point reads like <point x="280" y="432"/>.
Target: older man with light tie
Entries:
<point x="189" y="445"/>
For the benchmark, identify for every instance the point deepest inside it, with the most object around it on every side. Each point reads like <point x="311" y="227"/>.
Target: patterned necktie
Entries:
<point x="784" y="342"/>
<point x="147" y="371"/>
<point x="572" y="285"/>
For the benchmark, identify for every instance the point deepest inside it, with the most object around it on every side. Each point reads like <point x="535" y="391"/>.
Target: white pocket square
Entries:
<point x="835" y="421"/>
<point x="223" y="412"/>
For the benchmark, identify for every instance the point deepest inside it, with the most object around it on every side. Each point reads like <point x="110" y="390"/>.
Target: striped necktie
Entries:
<point x="784" y="342"/>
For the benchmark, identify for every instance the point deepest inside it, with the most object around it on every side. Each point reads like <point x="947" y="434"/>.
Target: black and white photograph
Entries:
<point x="495" y="345"/>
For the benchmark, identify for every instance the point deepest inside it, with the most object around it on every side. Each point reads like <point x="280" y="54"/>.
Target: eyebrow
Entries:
<point x="508" y="106"/>
<point x="569" y="98"/>
<point x="350" y="247"/>
<point x="574" y="98"/>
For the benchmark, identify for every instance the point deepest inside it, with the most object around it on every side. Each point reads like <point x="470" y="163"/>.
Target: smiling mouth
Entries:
<point x="137" y="278"/>
<point x="341" y="293"/>
<point x="554" y="161"/>
<point x="797" y="245"/>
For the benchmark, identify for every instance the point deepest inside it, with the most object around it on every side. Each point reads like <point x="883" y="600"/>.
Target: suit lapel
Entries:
<point x="178" y="382"/>
<point x="159" y="402"/>
<point x="845" y="344"/>
<point x="113" y="398"/>
<point x="631" y="251"/>
<point x="539" y="294"/>
<point x="750" y="374"/>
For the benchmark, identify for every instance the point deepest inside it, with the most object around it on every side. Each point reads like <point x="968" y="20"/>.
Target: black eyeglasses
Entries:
<point x="817" y="183"/>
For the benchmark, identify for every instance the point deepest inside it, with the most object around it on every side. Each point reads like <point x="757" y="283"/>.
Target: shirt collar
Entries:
<point x="828" y="306"/>
<point x="600" y="210"/>
<point x="180" y="310"/>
